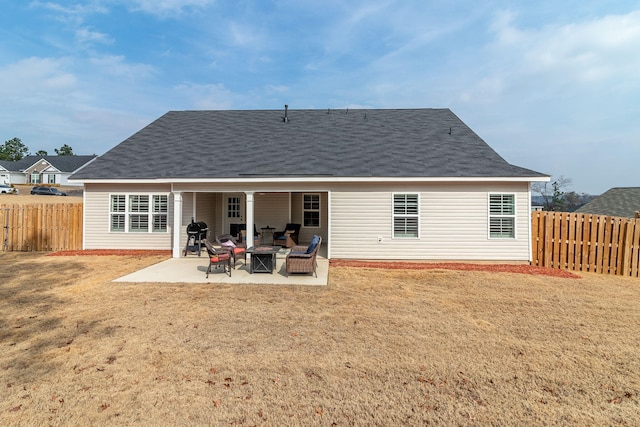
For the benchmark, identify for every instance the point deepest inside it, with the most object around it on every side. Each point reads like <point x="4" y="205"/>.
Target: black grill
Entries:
<point x="196" y="232"/>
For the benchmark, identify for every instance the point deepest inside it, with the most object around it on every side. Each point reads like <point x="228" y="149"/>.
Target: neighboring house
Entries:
<point x="42" y="169"/>
<point x="375" y="184"/>
<point x="617" y="201"/>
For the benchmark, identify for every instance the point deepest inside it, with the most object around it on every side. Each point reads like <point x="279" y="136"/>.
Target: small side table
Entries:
<point x="267" y="231"/>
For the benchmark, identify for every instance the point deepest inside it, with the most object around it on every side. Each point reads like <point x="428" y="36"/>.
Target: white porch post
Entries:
<point x="249" y="211"/>
<point x="177" y="223"/>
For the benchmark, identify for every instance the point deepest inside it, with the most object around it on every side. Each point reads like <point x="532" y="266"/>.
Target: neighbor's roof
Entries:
<point x="333" y="143"/>
<point x="617" y="201"/>
<point x="62" y="163"/>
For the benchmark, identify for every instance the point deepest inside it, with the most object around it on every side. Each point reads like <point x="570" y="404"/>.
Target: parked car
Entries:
<point x="7" y="189"/>
<point x="47" y="191"/>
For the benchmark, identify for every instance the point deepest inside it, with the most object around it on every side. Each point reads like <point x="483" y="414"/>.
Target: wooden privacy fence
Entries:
<point x="584" y="242"/>
<point x="41" y="227"/>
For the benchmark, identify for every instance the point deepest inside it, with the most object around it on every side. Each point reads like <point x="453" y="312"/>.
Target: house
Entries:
<point x="375" y="184"/>
<point x="42" y="169"/>
<point x="617" y="201"/>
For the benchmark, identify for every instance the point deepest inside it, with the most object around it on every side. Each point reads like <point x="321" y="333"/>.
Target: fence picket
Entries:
<point x="586" y="228"/>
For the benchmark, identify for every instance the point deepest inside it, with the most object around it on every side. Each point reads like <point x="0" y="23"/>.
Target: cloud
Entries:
<point x="116" y="65"/>
<point x="555" y="97"/>
<point x="206" y="96"/>
<point x="86" y="36"/>
<point x="168" y="8"/>
<point x="589" y="52"/>
<point x="35" y="78"/>
<point x="71" y="14"/>
<point x="245" y="35"/>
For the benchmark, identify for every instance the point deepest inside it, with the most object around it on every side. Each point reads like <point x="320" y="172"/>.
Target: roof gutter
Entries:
<point x="312" y="179"/>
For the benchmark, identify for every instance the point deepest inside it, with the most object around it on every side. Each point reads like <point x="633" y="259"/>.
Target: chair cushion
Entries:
<point x="238" y="250"/>
<point x="220" y="257"/>
<point x="314" y="242"/>
<point x="228" y="243"/>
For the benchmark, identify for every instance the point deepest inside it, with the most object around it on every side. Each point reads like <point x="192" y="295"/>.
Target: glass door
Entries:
<point x="234" y="205"/>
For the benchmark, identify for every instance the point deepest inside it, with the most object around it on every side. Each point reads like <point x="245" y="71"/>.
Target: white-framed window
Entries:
<point x="234" y="210"/>
<point x="311" y="210"/>
<point x="406" y="215"/>
<point x="35" y="177"/>
<point x="51" y="178"/>
<point x="138" y="213"/>
<point x="502" y="216"/>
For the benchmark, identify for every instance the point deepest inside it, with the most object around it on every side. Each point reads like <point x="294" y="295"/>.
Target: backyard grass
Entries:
<point x="375" y="347"/>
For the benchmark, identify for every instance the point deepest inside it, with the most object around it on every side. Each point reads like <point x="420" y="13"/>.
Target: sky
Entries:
<point x="552" y="86"/>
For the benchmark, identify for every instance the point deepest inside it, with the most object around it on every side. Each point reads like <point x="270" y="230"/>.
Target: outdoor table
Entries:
<point x="263" y="259"/>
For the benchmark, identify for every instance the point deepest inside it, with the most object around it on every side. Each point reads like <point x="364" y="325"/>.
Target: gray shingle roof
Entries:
<point x="62" y="163"/>
<point x="617" y="201"/>
<point x="341" y="143"/>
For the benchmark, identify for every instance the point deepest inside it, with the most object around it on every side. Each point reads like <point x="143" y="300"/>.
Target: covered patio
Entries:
<point x="192" y="269"/>
<point x="261" y="214"/>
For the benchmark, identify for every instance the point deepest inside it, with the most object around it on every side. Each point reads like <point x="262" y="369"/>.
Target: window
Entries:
<point x="311" y="210"/>
<point x="51" y="179"/>
<point x="406" y="215"/>
<point x="502" y="216"/>
<point x="118" y="209"/>
<point x="159" y="213"/>
<point x="35" y="178"/>
<point x="233" y="207"/>
<point x="138" y="213"/>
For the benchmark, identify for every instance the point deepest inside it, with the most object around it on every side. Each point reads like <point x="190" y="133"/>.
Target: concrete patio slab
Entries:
<point x="193" y="270"/>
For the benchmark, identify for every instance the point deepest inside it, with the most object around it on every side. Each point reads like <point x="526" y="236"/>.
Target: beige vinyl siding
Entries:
<point x="207" y="210"/>
<point x="307" y="233"/>
<point x="96" y="219"/>
<point x="453" y="224"/>
<point x="271" y="209"/>
<point x="454" y="218"/>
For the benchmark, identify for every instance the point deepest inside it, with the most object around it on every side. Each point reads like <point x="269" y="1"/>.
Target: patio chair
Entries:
<point x="288" y="237"/>
<point x="302" y="259"/>
<point x="236" y="249"/>
<point x="217" y="258"/>
<point x="242" y="235"/>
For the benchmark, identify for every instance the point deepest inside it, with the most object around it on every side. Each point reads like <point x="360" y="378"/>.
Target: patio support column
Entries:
<point x="177" y="223"/>
<point x="249" y="211"/>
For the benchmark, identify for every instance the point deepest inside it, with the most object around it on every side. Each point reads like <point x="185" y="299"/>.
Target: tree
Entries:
<point x="552" y="193"/>
<point x="574" y="200"/>
<point x="13" y="150"/>
<point x="65" y="150"/>
<point x="41" y="153"/>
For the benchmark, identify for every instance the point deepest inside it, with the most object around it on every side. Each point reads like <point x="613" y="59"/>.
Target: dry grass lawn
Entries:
<point x="375" y="347"/>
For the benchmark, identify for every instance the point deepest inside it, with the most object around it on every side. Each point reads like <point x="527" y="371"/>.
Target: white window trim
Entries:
<point x="237" y="208"/>
<point x="127" y="213"/>
<point x="319" y="210"/>
<point x="514" y="216"/>
<point x="393" y="215"/>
